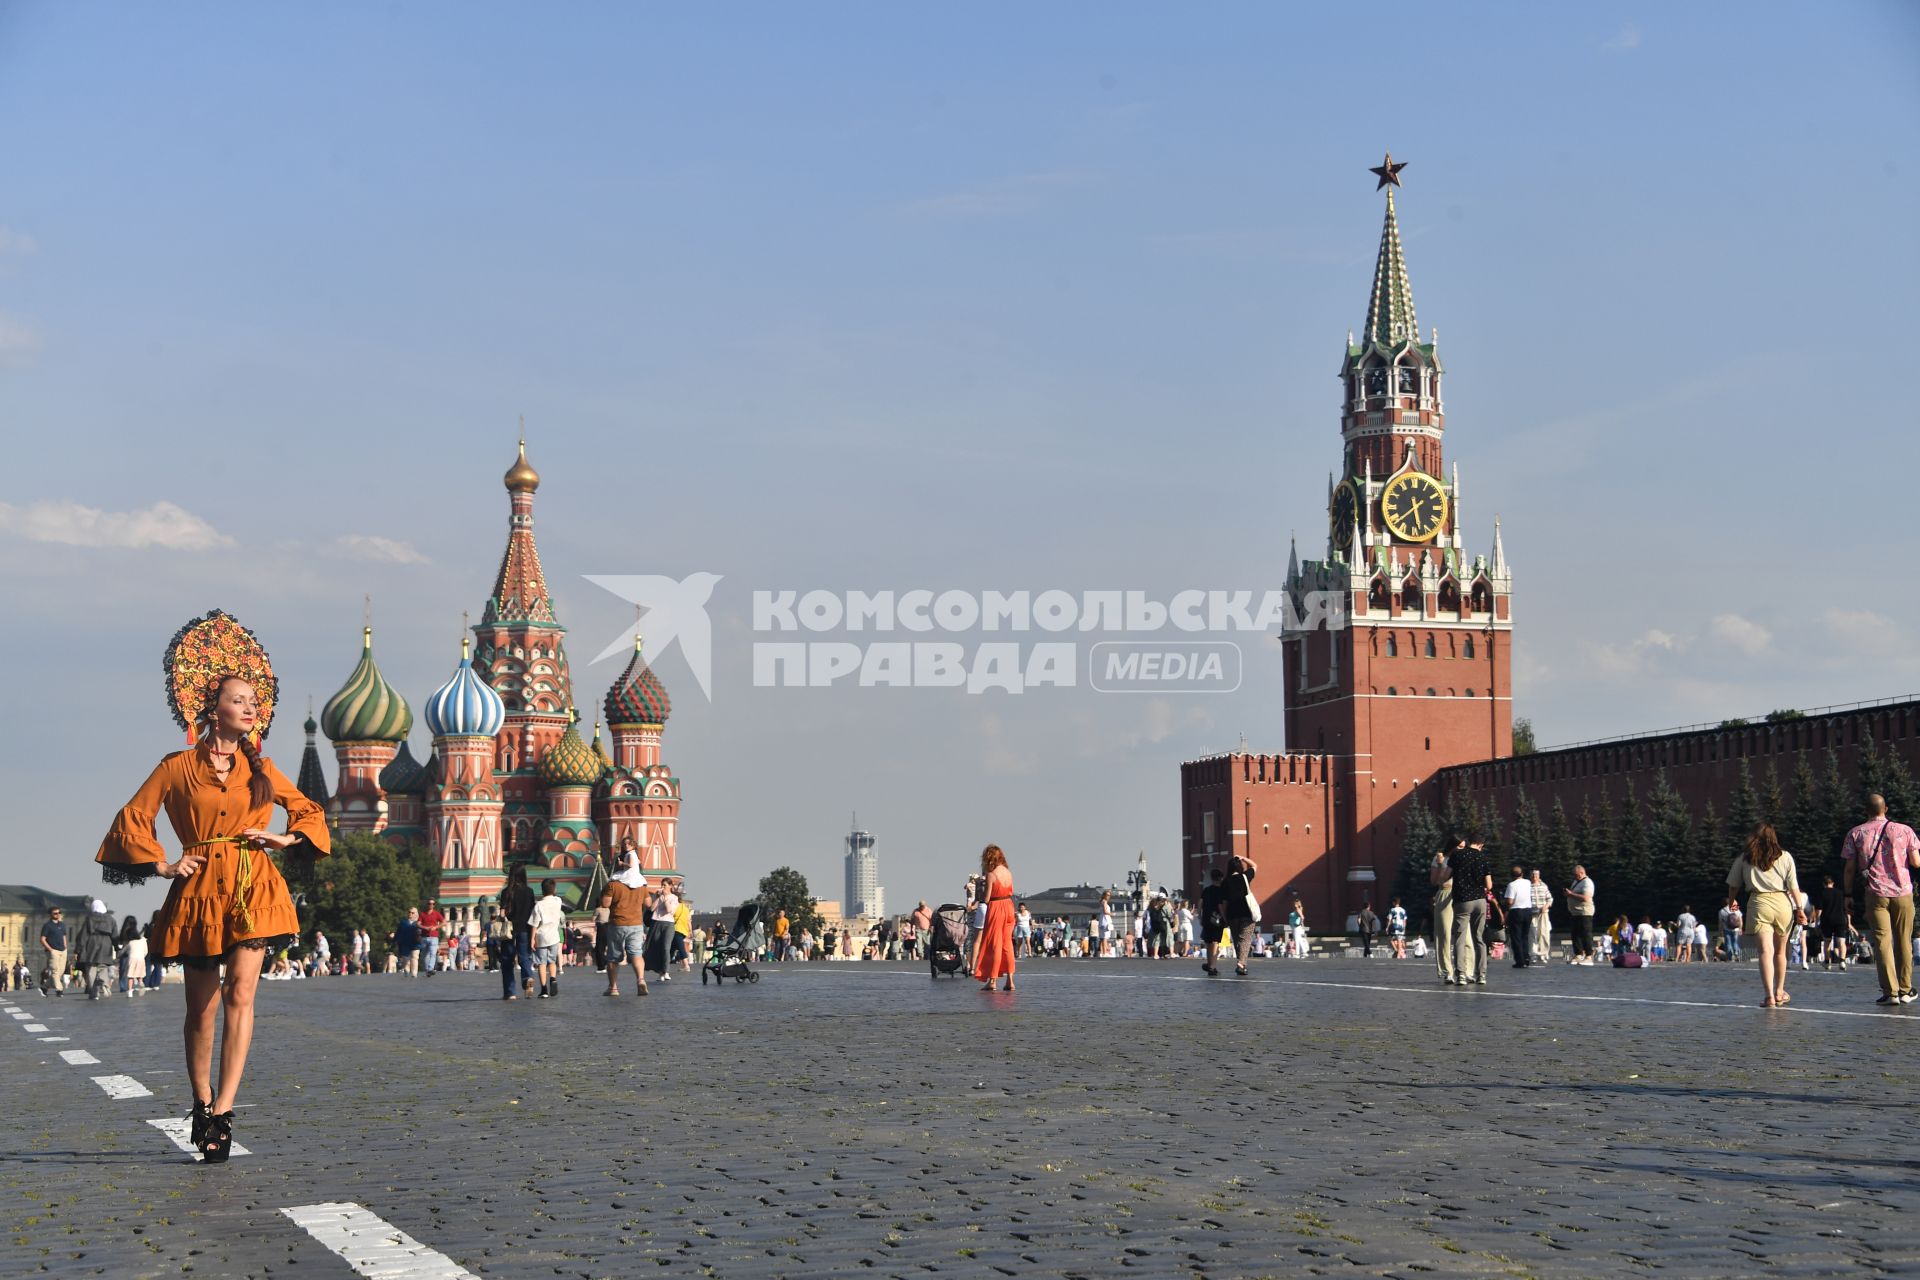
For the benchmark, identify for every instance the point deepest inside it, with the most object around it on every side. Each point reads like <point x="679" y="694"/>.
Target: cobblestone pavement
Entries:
<point x="1113" y="1117"/>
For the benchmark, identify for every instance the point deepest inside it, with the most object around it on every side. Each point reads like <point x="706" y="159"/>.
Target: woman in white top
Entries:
<point x="1766" y="874"/>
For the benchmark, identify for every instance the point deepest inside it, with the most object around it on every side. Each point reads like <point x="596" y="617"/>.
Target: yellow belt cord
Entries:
<point x="242" y="879"/>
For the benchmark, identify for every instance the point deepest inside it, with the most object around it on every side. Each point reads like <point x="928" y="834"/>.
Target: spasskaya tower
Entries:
<point x="1406" y="673"/>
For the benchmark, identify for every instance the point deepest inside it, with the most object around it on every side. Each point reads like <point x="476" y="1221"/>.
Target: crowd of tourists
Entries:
<point x="1480" y="916"/>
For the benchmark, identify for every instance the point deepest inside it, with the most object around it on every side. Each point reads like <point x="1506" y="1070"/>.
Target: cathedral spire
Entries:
<point x="1390" y="319"/>
<point x="520" y="592"/>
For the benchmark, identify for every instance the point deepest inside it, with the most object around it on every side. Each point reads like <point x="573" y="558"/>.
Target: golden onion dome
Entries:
<point x="521" y="477"/>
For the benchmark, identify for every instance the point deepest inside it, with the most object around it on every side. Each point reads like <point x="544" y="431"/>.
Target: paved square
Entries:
<point x="1118" y="1117"/>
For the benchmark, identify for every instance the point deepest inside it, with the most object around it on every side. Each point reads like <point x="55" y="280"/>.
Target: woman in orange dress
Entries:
<point x="993" y="953"/>
<point x="228" y="903"/>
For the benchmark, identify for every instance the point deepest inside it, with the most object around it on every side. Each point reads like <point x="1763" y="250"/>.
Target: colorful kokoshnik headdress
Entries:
<point x="208" y="649"/>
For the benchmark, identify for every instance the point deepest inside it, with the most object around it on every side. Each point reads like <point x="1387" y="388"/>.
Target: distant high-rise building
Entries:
<point x="865" y="898"/>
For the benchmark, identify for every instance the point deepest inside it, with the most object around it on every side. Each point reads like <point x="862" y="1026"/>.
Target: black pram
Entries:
<point x="728" y="957"/>
<point x="947" y="940"/>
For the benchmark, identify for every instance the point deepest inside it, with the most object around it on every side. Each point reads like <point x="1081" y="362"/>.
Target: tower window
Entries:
<point x="1470" y="693"/>
<point x="1466" y="647"/>
<point x="1429" y="747"/>
<point x="1393" y="646"/>
<point x="1430" y="650"/>
<point x="1392" y="690"/>
<point x="1410" y="597"/>
<point x="1429" y="691"/>
<point x="1409" y="381"/>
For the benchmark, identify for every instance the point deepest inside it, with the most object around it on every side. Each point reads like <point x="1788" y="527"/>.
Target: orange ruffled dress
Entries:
<point x="239" y="895"/>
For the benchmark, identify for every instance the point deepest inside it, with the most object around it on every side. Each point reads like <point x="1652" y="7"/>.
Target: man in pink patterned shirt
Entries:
<point x="1884" y="853"/>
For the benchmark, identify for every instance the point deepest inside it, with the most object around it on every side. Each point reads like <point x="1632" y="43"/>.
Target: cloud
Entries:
<point x="1625" y="40"/>
<point x="15" y="241"/>
<point x="1000" y="198"/>
<point x="1639" y="655"/>
<point x="367" y="546"/>
<point x="19" y="341"/>
<point x="1747" y="636"/>
<point x="161" y="525"/>
<point x="1866" y="634"/>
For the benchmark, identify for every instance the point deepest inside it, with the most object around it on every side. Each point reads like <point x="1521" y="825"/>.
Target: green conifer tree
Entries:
<point x="1633" y="857"/>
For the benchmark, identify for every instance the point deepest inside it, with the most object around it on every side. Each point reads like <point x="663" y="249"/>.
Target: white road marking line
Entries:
<point x="1043" y="975"/>
<point x="375" y="1248"/>
<point x="35" y="1027"/>
<point x="180" y="1129"/>
<point x="119" y="1087"/>
<point x="54" y="1039"/>
<point x="79" y="1058"/>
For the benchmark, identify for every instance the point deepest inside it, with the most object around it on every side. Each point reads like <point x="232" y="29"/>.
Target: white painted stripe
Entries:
<point x="35" y="1027"/>
<point x="79" y="1058"/>
<point x="1456" y="993"/>
<point x="119" y="1087"/>
<point x="54" y="1039"/>
<point x="180" y="1129"/>
<point x="374" y="1248"/>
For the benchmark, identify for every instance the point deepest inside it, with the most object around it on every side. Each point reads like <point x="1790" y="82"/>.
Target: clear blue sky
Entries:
<point x="993" y="296"/>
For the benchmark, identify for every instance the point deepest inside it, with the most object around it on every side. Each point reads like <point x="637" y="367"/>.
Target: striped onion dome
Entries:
<point x="403" y="776"/>
<point x="465" y="706"/>
<point x="570" y="762"/>
<point x="367" y="708"/>
<point x="637" y="697"/>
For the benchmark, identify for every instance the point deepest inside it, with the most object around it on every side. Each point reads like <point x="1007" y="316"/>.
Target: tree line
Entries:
<point x="1652" y="852"/>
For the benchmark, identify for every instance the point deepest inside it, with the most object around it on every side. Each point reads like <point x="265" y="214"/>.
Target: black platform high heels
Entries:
<point x="219" y="1140"/>
<point x="202" y="1113"/>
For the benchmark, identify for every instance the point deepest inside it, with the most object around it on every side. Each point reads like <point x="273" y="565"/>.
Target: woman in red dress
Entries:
<point x="993" y="954"/>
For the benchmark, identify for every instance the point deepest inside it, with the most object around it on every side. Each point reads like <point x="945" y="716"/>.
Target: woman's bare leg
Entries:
<point x="1769" y="973"/>
<point x="203" y="994"/>
<point x="236" y="1031"/>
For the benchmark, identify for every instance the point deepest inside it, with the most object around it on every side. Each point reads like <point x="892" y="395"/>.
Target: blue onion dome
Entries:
<point x="367" y="708"/>
<point x="465" y="706"/>
<point x="403" y="776"/>
<point x="570" y="762"/>
<point x="637" y="697"/>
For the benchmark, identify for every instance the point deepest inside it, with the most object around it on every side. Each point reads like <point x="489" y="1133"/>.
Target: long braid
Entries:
<point x="259" y="786"/>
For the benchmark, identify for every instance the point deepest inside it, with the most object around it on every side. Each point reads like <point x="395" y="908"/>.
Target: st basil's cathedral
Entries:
<point x="508" y="780"/>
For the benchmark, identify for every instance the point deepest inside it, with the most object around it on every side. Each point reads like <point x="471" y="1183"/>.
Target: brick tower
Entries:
<point x="366" y="721"/>
<point x="463" y="795"/>
<point x="640" y="796"/>
<point x="521" y="655"/>
<point x="1417" y="678"/>
<point x="1400" y="665"/>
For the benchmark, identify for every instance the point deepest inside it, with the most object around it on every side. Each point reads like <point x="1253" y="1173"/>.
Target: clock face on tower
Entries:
<point x="1414" y="505"/>
<point x="1340" y="514"/>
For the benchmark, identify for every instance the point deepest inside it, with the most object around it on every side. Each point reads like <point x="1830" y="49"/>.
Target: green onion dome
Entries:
<point x="570" y="762"/>
<point x="606" y="761"/>
<point x="404" y="776"/>
<point x="367" y="708"/>
<point x="637" y="697"/>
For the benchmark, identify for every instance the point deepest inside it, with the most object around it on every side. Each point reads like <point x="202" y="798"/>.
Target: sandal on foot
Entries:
<point x="218" y="1144"/>
<point x="202" y="1113"/>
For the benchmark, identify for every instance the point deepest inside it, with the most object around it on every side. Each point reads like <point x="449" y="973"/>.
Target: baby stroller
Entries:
<point x="947" y="941"/>
<point x="728" y="957"/>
